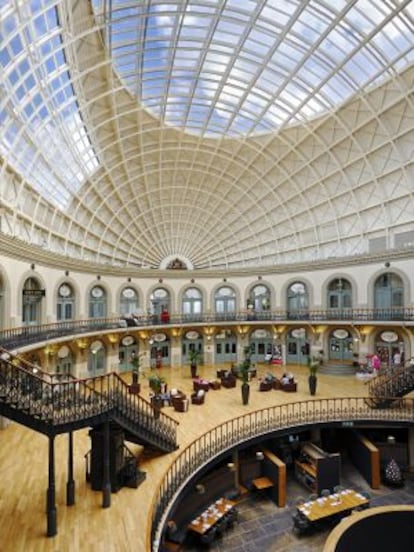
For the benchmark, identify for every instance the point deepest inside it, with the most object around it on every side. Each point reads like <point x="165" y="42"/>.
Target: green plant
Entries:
<point x="194" y="356"/>
<point x="245" y="365"/>
<point x="156" y="381"/>
<point x="136" y="365"/>
<point x="313" y="363"/>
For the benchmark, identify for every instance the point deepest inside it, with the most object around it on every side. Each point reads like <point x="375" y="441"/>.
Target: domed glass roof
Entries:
<point x="222" y="133"/>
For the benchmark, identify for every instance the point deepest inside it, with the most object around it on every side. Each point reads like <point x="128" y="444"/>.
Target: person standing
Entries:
<point x="396" y="361"/>
<point x="376" y="363"/>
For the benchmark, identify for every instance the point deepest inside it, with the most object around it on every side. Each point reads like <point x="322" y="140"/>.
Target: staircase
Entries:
<point x="53" y="404"/>
<point x="386" y="390"/>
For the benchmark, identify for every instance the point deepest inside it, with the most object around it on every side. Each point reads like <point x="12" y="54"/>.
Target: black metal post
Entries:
<point x="106" y="479"/>
<point x="70" y="485"/>
<point x="50" y="494"/>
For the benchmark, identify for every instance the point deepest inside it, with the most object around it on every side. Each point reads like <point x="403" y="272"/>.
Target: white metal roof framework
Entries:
<point x="227" y="133"/>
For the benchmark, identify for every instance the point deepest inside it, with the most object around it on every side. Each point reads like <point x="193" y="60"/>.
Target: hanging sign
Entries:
<point x="299" y="333"/>
<point x="192" y="335"/>
<point x="340" y="334"/>
<point x="159" y="337"/>
<point x="127" y="340"/>
<point x="34" y="292"/>
<point x="389" y="337"/>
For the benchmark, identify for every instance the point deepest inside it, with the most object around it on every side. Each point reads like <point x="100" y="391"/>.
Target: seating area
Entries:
<point x="285" y="383"/>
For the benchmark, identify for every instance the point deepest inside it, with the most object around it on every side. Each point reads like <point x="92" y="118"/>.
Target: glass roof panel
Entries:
<point x="297" y="39"/>
<point x="42" y="127"/>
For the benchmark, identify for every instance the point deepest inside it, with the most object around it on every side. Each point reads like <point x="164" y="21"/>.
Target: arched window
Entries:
<point x="297" y="301"/>
<point x="65" y="308"/>
<point x="97" y="302"/>
<point x="259" y="298"/>
<point x="32" y="302"/>
<point x="192" y="302"/>
<point x="129" y="301"/>
<point x="339" y="294"/>
<point x="225" y="302"/>
<point x="160" y="302"/>
<point x="388" y="296"/>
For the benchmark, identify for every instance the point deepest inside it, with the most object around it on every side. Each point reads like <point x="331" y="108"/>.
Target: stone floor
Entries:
<point x="263" y="527"/>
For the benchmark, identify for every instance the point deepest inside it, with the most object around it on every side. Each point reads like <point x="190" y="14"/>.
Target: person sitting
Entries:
<point x="285" y="379"/>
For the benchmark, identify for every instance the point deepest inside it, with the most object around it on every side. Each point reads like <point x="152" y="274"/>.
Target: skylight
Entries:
<point x="42" y="133"/>
<point x="241" y="67"/>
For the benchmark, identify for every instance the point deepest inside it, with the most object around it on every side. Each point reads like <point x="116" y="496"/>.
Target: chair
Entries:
<point x="215" y="385"/>
<point x="366" y="495"/>
<point x="312" y="496"/>
<point x="325" y="492"/>
<point x="290" y="387"/>
<point x="198" y="397"/>
<point x="232" y="517"/>
<point x="203" y="385"/>
<point x="265" y="385"/>
<point x="208" y="537"/>
<point x="181" y="405"/>
<point x="338" y="488"/>
<point x="221" y="527"/>
<point x="299" y="500"/>
<point x="228" y="381"/>
<point x="176" y="396"/>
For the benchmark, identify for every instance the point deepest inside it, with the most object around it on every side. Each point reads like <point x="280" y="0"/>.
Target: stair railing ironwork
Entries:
<point x="395" y="382"/>
<point x="27" y="335"/>
<point x="56" y="403"/>
<point x="225" y="437"/>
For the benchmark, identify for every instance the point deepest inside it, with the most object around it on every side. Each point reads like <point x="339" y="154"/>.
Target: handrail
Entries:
<point x="27" y="335"/>
<point x="228" y="435"/>
<point x="54" y="403"/>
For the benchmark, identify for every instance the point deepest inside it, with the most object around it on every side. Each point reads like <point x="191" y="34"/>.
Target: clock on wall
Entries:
<point x="97" y="292"/>
<point x="65" y="290"/>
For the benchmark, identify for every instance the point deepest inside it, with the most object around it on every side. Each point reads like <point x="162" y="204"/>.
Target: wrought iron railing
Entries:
<point x="230" y="434"/>
<point x="392" y="383"/>
<point x="28" y="335"/>
<point x="51" y="403"/>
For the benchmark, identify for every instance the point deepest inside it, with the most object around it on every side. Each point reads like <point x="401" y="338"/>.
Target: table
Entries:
<point x="336" y="503"/>
<point x="262" y="483"/>
<point x="207" y="519"/>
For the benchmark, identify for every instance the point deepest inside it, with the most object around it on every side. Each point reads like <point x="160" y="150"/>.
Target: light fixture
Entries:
<point x="231" y="466"/>
<point x="259" y="455"/>
<point x="200" y="488"/>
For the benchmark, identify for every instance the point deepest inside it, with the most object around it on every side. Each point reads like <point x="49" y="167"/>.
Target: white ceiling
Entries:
<point x="228" y="134"/>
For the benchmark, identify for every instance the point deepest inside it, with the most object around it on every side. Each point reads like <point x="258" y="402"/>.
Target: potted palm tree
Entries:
<point x="244" y="373"/>
<point x="135" y="387"/>
<point x="156" y="383"/>
<point x="194" y="356"/>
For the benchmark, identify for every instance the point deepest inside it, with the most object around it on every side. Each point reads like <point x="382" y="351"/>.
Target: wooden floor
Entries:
<point x="86" y="526"/>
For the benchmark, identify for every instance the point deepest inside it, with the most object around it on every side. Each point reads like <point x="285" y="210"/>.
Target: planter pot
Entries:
<point x="156" y="405"/>
<point x="193" y="367"/>
<point x="245" y="389"/>
<point x="134" y="388"/>
<point x="312" y="384"/>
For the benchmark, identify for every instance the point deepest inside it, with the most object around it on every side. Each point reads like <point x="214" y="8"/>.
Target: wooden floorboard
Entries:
<point x="86" y="526"/>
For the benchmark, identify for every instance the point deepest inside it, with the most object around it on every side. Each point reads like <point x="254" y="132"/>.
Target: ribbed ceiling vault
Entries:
<point x="102" y="160"/>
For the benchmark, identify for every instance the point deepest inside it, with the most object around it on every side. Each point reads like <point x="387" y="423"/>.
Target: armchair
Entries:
<point x="198" y="397"/>
<point x="200" y="384"/>
<point x="228" y="381"/>
<point x="176" y="397"/>
<point x="265" y="385"/>
<point x="181" y="405"/>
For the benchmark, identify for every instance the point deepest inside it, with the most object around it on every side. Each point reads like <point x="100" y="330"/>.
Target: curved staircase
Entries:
<point x="386" y="389"/>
